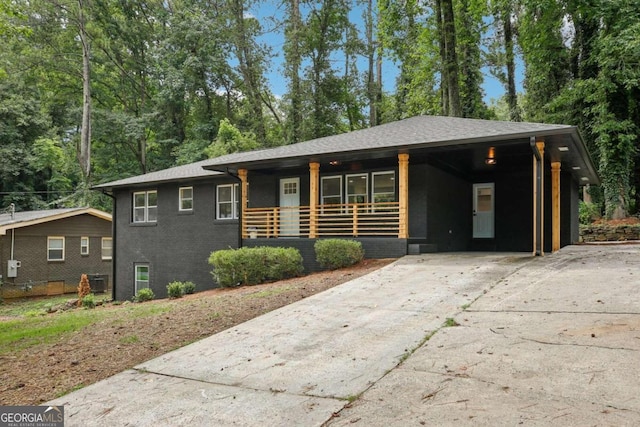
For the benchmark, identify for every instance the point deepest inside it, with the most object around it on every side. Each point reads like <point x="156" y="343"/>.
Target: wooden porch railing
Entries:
<point x="339" y="220"/>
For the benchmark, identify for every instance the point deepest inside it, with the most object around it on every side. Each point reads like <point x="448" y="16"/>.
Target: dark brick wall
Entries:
<point x="373" y="248"/>
<point x="514" y="210"/>
<point x="569" y="206"/>
<point x="418" y="183"/>
<point x="448" y="210"/>
<point x="178" y="245"/>
<point x="31" y="250"/>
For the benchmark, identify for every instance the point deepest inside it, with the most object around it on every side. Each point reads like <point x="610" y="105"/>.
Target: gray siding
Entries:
<point x="30" y="248"/>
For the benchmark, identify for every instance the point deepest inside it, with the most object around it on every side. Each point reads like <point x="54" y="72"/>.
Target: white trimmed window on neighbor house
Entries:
<point x="107" y="248"/>
<point x="55" y="248"/>
<point x="84" y="245"/>
<point x="145" y="206"/>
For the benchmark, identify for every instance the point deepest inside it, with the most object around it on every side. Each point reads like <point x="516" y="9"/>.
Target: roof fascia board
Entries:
<point x="584" y="153"/>
<point x="90" y="211"/>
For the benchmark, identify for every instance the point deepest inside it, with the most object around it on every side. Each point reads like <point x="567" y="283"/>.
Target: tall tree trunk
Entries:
<point x="450" y="61"/>
<point x="293" y="61"/>
<point x="372" y="90"/>
<point x="379" y="87"/>
<point x="248" y="63"/>
<point x="444" y="80"/>
<point x="84" y="152"/>
<point x="512" y="96"/>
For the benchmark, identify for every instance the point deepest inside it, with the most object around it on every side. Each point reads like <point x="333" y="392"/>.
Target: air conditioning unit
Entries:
<point x="12" y="268"/>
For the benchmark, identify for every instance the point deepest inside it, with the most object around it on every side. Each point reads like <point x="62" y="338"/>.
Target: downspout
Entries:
<point x="237" y="178"/>
<point x="12" y="207"/>
<point x="113" y="245"/>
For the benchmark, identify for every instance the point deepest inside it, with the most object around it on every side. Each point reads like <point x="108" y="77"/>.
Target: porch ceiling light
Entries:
<point x="575" y="168"/>
<point x="563" y="148"/>
<point x="491" y="156"/>
<point x="334" y="162"/>
<point x="584" y="178"/>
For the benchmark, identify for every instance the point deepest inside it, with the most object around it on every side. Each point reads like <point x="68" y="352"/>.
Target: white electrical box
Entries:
<point x="12" y="268"/>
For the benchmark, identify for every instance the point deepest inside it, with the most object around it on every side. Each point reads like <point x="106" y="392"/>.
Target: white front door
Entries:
<point x="483" y="211"/>
<point x="290" y="207"/>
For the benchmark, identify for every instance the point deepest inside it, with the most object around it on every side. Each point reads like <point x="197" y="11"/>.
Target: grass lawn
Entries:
<point x="27" y="322"/>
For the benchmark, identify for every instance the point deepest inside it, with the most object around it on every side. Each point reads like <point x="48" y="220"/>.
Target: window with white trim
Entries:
<point x="145" y="206"/>
<point x="331" y="190"/>
<point x="84" y="245"/>
<point x="55" y="248"/>
<point x="383" y="188"/>
<point x="227" y="201"/>
<point x="186" y="199"/>
<point x="141" y="277"/>
<point x="107" y="248"/>
<point x="357" y="188"/>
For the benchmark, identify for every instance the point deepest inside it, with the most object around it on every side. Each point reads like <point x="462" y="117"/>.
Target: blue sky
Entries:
<point x="274" y="38"/>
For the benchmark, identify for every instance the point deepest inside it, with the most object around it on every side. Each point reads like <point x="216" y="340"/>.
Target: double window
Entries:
<point x="55" y="248"/>
<point x="145" y="206"/>
<point x="227" y="201"/>
<point x="186" y="199"/>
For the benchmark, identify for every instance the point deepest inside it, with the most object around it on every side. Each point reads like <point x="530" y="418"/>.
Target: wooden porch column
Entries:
<point x="538" y="199"/>
<point x="314" y="180"/>
<point x="242" y="174"/>
<point x="403" y="195"/>
<point x="555" y="206"/>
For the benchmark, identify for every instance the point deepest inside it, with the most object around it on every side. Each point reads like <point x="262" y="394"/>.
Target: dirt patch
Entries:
<point x="44" y="372"/>
<point x="632" y="220"/>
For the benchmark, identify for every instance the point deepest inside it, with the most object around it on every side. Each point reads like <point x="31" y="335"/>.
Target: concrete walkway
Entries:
<point x="540" y="341"/>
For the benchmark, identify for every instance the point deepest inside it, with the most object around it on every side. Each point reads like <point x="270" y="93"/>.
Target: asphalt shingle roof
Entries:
<point x="192" y="170"/>
<point x="414" y="132"/>
<point x="411" y="132"/>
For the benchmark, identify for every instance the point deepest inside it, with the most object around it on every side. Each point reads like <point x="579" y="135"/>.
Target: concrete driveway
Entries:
<point x="539" y="341"/>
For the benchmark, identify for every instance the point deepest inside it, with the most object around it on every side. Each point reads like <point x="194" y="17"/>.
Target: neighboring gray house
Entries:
<point x="46" y="252"/>
<point x="417" y="185"/>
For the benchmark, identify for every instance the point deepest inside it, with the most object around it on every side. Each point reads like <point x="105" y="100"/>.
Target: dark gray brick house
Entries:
<point x="416" y="185"/>
<point x="46" y="252"/>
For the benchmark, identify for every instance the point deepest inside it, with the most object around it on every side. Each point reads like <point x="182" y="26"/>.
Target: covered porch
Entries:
<point x="453" y="184"/>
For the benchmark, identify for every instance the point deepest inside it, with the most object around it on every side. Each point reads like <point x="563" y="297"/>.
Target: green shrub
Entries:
<point x="588" y="212"/>
<point x="250" y="266"/>
<point x="144" y="294"/>
<point x="175" y="289"/>
<point x="189" y="287"/>
<point x="338" y="253"/>
<point x="89" y="301"/>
